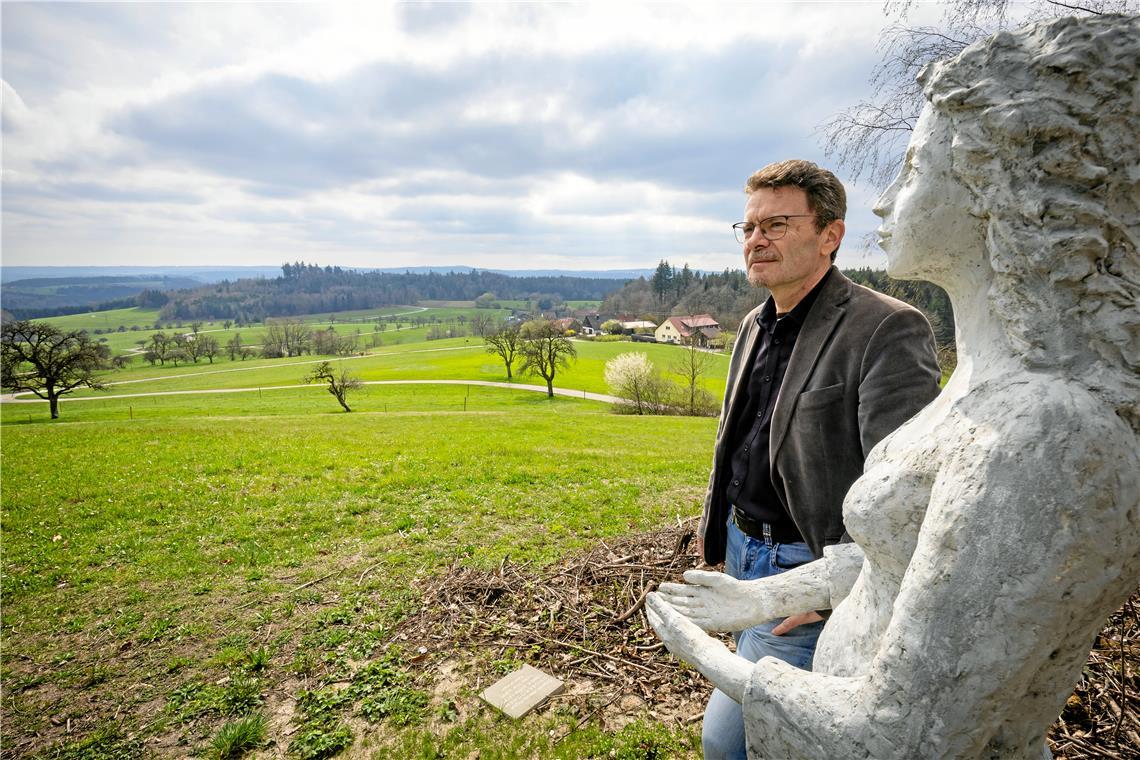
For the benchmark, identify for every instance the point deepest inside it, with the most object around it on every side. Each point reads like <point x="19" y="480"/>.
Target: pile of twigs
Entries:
<point x="581" y="620"/>
<point x="1102" y="717"/>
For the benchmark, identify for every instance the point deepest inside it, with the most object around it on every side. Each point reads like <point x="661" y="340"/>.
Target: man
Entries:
<point x="821" y="371"/>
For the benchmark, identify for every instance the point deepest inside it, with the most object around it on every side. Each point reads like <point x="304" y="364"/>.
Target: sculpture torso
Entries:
<point x="883" y="512"/>
<point x="1080" y="471"/>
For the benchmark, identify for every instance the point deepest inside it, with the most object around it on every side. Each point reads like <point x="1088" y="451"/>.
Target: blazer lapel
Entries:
<point x="821" y="322"/>
<point x="744" y="356"/>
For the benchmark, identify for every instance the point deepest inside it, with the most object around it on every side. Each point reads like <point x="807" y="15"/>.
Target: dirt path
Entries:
<point x="567" y="392"/>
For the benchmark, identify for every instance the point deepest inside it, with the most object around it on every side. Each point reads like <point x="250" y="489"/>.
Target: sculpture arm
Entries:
<point x="717" y="602"/>
<point x="727" y="671"/>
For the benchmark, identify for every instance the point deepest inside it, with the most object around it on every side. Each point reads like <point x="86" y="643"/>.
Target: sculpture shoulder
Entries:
<point x="1043" y="416"/>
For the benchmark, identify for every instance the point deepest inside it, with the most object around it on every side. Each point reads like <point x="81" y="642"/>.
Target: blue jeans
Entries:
<point x="746" y="558"/>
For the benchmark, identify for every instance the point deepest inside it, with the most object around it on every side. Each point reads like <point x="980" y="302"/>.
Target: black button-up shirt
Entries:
<point x="750" y="488"/>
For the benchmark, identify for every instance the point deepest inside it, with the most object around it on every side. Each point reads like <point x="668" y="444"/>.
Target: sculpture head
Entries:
<point x="1041" y="129"/>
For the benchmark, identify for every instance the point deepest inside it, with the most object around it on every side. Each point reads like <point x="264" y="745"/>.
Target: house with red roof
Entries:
<point x="701" y="328"/>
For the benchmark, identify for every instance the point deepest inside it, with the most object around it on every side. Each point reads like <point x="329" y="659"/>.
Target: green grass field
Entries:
<point x="172" y="563"/>
<point x="145" y="558"/>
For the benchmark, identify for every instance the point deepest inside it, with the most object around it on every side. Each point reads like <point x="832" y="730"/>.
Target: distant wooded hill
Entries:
<point x="310" y="289"/>
<point x="54" y="296"/>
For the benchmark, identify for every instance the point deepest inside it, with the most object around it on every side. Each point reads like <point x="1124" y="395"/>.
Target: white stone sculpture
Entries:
<point x="998" y="528"/>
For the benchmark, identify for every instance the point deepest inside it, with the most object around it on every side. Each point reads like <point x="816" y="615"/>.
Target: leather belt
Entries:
<point x="754" y="528"/>
<point x="763" y="531"/>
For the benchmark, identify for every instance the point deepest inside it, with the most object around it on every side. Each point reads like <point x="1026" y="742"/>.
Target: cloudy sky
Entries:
<point x="493" y="135"/>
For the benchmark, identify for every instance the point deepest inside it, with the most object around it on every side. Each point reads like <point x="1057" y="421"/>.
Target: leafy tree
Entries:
<point x="633" y="376"/>
<point x="485" y="301"/>
<point x="612" y="327"/>
<point x="545" y="350"/>
<point x="663" y="280"/>
<point x="339" y="383"/>
<point x="37" y="357"/>
<point x="505" y="342"/>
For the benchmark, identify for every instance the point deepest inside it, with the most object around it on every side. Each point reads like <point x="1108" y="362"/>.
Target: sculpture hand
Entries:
<point x="689" y="643"/>
<point x="715" y="601"/>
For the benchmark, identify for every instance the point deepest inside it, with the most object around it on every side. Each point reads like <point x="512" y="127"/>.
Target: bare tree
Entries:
<point x="545" y="350"/>
<point x="286" y="337"/>
<point x="506" y="343"/>
<point x="207" y="346"/>
<point x="692" y="365"/>
<point x="234" y="347"/>
<point x="160" y="347"/>
<point x="37" y="357"/>
<point x="867" y="139"/>
<point x="339" y="383"/>
<point x="481" y="324"/>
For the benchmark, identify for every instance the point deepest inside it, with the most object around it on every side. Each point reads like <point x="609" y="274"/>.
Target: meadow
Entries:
<point x="177" y="568"/>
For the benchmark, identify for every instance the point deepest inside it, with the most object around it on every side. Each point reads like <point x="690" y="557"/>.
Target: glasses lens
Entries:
<point x="775" y="228"/>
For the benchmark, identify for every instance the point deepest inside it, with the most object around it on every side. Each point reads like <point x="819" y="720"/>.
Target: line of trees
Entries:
<point x="182" y="347"/>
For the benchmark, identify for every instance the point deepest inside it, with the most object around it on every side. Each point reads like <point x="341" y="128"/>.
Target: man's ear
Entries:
<point x="831" y="237"/>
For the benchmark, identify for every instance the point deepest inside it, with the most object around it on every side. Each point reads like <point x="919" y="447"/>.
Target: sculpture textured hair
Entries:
<point x="1047" y="138"/>
<point x="825" y="194"/>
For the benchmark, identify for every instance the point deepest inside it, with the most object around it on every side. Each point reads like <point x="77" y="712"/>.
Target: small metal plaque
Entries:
<point x="521" y="691"/>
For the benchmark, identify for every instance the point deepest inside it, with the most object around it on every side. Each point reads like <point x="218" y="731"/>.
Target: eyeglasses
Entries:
<point x="772" y="228"/>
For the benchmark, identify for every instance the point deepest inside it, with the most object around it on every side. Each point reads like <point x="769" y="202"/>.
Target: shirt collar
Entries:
<point x="767" y="317"/>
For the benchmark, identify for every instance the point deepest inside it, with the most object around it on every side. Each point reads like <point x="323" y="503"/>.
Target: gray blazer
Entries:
<point x="863" y="364"/>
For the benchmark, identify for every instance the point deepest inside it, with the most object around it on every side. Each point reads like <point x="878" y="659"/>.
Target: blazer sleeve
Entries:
<point x="899" y="375"/>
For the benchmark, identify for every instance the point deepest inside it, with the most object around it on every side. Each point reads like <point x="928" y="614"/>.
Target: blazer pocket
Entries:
<point x="820" y="397"/>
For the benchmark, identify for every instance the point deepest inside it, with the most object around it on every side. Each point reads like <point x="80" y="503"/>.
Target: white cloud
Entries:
<point x="572" y="135"/>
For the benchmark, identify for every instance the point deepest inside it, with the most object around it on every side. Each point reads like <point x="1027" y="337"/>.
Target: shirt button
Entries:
<point x="767" y="378"/>
<point x="776" y="341"/>
<point x="736" y="482"/>
<point x="746" y="448"/>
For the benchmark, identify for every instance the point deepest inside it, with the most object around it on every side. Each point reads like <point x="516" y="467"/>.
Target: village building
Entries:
<point x="592" y="323"/>
<point x="701" y="328"/>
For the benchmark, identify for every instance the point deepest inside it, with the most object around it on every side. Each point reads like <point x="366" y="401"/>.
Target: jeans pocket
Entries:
<point x="788" y="556"/>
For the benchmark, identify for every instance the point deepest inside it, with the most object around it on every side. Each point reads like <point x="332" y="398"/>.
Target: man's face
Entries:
<point x="791" y="265"/>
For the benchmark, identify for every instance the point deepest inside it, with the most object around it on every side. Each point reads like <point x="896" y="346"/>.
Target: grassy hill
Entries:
<point x="175" y="562"/>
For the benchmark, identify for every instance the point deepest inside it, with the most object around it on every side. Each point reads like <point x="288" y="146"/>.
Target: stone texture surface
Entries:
<point x="521" y="691"/>
<point x="1000" y="526"/>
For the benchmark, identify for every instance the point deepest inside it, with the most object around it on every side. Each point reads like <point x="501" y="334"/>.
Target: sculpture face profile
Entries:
<point x="926" y="208"/>
<point x="997" y="529"/>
